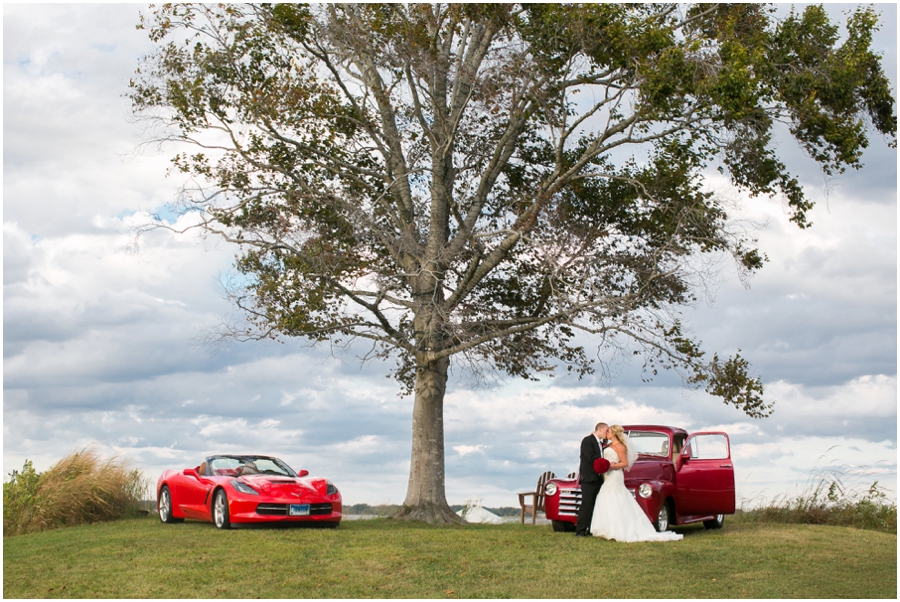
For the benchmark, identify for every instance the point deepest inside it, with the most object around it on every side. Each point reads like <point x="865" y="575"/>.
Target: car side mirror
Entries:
<point x="302" y="473"/>
<point x="191" y="472"/>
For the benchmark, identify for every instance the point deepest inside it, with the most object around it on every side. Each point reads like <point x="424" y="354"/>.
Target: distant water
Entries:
<point x="506" y="519"/>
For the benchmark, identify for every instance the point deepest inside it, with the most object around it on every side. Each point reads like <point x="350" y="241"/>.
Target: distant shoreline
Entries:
<point x="384" y="510"/>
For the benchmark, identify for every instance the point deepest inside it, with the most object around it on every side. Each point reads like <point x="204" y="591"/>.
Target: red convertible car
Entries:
<point x="242" y="489"/>
<point x="677" y="479"/>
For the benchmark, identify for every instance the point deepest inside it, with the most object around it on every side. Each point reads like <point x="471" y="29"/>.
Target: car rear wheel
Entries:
<point x="715" y="523"/>
<point x="664" y="517"/>
<point x="220" y="510"/>
<point x="165" y="507"/>
<point x="561" y="526"/>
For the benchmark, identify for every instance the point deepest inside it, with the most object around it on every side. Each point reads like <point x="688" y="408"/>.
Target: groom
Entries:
<point x="591" y="449"/>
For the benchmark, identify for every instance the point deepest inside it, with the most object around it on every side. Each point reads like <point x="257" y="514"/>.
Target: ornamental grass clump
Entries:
<point x="827" y="500"/>
<point x="81" y="488"/>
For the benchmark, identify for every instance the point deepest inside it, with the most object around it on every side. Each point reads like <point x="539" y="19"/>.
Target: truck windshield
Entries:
<point x="654" y="444"/>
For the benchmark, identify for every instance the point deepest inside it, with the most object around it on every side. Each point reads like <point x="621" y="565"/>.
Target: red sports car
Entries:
<point x="232" y="489"/>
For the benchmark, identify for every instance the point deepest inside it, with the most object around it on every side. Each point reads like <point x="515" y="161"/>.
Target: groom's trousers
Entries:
<point x="589" y="493"/>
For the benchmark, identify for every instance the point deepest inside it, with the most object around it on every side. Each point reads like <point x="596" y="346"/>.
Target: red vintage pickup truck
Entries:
<point x="677" y="479"/>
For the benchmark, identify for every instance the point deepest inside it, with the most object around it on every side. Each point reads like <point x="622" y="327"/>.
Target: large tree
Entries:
<point x="488" y="183"/>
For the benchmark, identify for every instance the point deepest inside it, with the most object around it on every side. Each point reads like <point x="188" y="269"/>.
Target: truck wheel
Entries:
<point x="715" y="523"/>
<point x="664" y="517"/>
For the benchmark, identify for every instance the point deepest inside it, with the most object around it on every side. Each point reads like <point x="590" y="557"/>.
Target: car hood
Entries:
<point x="272" y="485"/>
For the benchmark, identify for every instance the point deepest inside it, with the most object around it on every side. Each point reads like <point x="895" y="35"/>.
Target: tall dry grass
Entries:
<point x="831" y="497"/>
<point x="81" y="488"/>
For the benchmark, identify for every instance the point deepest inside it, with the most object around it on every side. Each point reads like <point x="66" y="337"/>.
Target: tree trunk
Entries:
<point x="425" y="496"/>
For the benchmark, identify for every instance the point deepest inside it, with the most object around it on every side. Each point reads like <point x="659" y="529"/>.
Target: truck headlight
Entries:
<point x="645" y="490"/>
<point x="550" y="489"/>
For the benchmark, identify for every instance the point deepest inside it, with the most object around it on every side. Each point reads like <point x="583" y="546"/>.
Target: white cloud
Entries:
<point x="232" y="429"/>
<point x="464" y="450"/>
<point x="873" y="396"/>
<point x="736" y="428"/>
<point x="366" y="444"/>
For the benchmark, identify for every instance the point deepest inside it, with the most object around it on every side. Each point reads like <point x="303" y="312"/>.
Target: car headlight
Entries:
<point x="645" y="490"/>
<point x="550" y="489"/>
<point x="244" y="488"/>
<point x="330" y="489"/>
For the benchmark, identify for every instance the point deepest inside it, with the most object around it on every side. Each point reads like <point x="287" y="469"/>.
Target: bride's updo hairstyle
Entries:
<point x="616" y="432"/>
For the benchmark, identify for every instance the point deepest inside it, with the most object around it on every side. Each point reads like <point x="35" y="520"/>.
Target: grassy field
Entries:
<point x="381" y="558"/>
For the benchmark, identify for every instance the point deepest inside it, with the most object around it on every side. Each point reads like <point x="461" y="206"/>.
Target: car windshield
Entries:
<point x="242" y="465"/>
<point x="650" y="443"/>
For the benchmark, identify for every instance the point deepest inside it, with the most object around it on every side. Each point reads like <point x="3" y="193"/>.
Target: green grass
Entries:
<point x="382" y="558"/>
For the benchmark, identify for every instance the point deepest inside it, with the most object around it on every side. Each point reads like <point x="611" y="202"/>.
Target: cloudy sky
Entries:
<point x="101" y="339"/>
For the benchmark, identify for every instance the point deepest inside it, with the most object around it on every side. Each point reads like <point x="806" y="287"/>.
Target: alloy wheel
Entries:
<point x="220" y="510"/>
<point x="165" y="505"/>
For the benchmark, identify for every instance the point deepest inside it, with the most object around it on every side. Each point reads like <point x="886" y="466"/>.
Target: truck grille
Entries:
<point x="282" y="509"/>
<point x="569" y="502"/>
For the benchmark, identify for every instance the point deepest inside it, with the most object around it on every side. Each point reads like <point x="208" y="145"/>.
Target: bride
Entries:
<point x="617" y="514"/>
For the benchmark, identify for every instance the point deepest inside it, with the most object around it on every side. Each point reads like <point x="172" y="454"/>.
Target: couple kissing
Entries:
<point x="607" y="508"/>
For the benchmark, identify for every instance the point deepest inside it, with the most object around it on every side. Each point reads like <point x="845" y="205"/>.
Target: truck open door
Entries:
<point x="705" y="475"/>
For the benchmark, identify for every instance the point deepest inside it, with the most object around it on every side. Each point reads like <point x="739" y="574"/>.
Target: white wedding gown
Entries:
<point x="617" y="515"/>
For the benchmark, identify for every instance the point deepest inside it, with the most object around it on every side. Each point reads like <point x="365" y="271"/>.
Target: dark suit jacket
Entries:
<point x="590" y="451"/>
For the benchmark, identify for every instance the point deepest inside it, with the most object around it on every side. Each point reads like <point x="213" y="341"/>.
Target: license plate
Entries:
<point x="298" y="510"/>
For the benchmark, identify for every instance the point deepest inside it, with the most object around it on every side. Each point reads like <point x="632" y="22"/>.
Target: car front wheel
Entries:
<point x="715" y="523"/>
<point x="165" y="507"/>
<point x="663" y="518"/>
<point x="561" y="526"/>
<point x="220" y="510"/>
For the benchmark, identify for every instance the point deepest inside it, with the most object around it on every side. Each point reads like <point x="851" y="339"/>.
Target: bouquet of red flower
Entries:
<point x="601" y="465"/>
